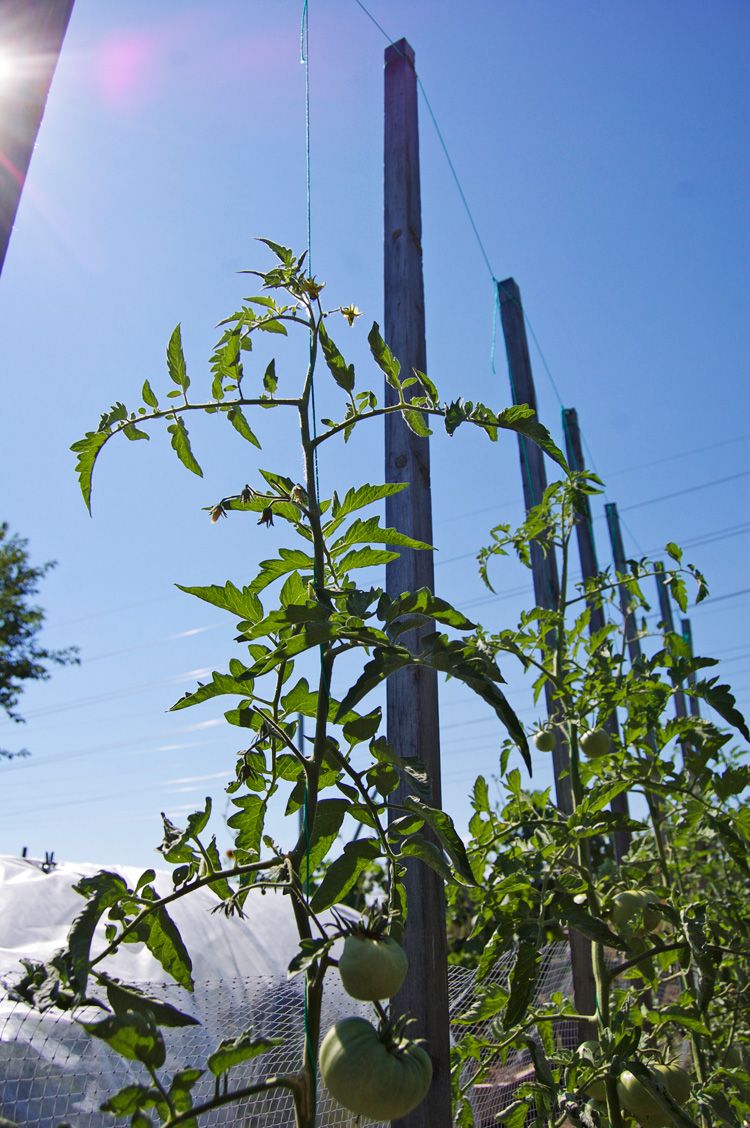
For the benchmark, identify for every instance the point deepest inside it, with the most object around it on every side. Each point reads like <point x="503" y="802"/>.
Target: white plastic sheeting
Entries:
<point x="51" y="1071"/>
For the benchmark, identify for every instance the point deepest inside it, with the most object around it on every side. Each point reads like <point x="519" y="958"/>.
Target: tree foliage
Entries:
<point x="22" y="656"/>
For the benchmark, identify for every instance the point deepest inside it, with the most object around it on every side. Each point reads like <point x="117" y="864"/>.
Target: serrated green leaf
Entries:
<point x="241" y="425"/>
<point x="415" y="421"/>
<point x="87" y="450"/>
<point x="284" y="254"/>
<point x="430" y="854"/>
<point x="343" y="873"/>
<point x="181" y="446"/>
<point x="132" y="1036"/>
<point x="442" y="825"/>
<point x="243" y="603"/>
<point x="233" y="1051"/>
<point x="102" y="890"/>
<point x="270" y="381"/>
<point x="329" y="815"/>
<point x="342" y="372"/>
<point x="176" y="365"/>
<point x="370" y="531"/>
<point x="163" y="940"/>
<point x="363" y="728"/>
<point x="522" y="979"/>
<point x="248" y="823"/>
<point x="720" y="698"/>
<point x="383" y="357"/>
<point x="148" y="396"/>
<point x="125" y="997"/>
<point x="130" y="1099"/>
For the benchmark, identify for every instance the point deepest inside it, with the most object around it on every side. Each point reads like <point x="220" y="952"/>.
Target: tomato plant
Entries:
<point x="667" y="922"/>
<point x="321" y="612"/>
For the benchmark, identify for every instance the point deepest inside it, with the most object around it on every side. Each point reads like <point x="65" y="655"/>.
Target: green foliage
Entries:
<point x="22" y="658"/>
<point x="306" y="598"/>
<point x="671" y="969"/>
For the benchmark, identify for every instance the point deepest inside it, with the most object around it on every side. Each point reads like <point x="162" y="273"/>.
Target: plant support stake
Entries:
<point x="412" y="696"/>
<point x="546" y="584"/>
<point x="590" y="569"/>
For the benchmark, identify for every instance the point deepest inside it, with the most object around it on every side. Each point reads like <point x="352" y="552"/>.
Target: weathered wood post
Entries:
<point x="31" y="36"/>
<point x="693" y="702"/>
<point x="621" y="568"/>
<point x="411" y="694"/>
<point x="546" y="582"/>
<point x="667" y="618"/>
<point x="589" y="569"/>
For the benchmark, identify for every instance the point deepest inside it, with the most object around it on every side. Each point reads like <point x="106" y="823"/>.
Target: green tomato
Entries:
<point x="370" y="1077"/>
<point x="637" y="1100"/>
<point x="596" y="743"/>
<point x="626" y="906"/>
<point x="652" y="918"/>
<point x="372" y="968"/>
<point x="545" y="740"/>
<point x="591" y="1052"/>
<point x="677" y="1081"/>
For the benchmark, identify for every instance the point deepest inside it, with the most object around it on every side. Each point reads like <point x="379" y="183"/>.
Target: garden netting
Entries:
<point x="52" y="1072"/>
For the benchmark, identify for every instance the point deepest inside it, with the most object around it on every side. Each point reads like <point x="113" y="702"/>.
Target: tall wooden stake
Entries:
<point x="665" y="610"/>
<point x="31" y="36"/>
<point x="546" y="582"/>
<point x="597" y="621"/>
<point x="618" y="558"/>
<point x="411" y="695"/>
<point x="687" y="634"/>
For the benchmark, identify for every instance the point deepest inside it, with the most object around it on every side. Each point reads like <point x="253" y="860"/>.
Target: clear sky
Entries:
<point x="603" y="149"/>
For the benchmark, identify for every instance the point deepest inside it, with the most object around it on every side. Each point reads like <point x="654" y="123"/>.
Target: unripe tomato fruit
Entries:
<point x="590" y="1051"/>
<point x="638" y="1101"/>
<point x="652" y="918"/>
<point x="596" y="743"/>
<point x="677" y="1081"/>
<point x="369" y="1077"/>
<point x="372" y="968"/>
<point x="544" y="740"/>
<point x="627" y="905"/>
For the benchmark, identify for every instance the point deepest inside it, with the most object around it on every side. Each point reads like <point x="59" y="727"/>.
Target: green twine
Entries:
<point x="305" y="60"/>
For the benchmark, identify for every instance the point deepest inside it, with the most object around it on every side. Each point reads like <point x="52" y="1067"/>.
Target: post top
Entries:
<point x="401" y="49"/>
<point x="508" y="290"/>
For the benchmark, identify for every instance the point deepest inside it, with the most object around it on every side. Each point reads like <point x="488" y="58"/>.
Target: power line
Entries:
<point x="688" y="490"/>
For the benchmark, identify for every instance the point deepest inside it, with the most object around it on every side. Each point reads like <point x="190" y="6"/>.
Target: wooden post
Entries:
<point x="693" y="702"/>
<point x="546" y="585"/>
<point x="665" y="610"/>
<point x="597" y="621"/>
<point x="411" y="694"/>
<point x="31" y="37"/>
<point x="618" y="557"/>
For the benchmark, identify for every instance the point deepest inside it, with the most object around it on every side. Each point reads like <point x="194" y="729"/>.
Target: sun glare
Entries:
<point x="8" y="70"/>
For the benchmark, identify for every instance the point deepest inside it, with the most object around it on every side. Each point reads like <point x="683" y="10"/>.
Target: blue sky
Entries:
<point x="603" y="149"/>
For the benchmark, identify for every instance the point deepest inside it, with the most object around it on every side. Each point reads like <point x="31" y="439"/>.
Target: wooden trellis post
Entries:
<point x="665" y="610"/>
<point x="597" y="621"/>
<point x="411" y="694"/>
<point x="546" y="583"/>
<point x="618" y="558"/>
<point x="693" y="702"/>
<point x="31" y="34"/>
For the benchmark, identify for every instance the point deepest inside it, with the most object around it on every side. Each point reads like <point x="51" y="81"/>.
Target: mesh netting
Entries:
<point x="52" y="1072"/>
